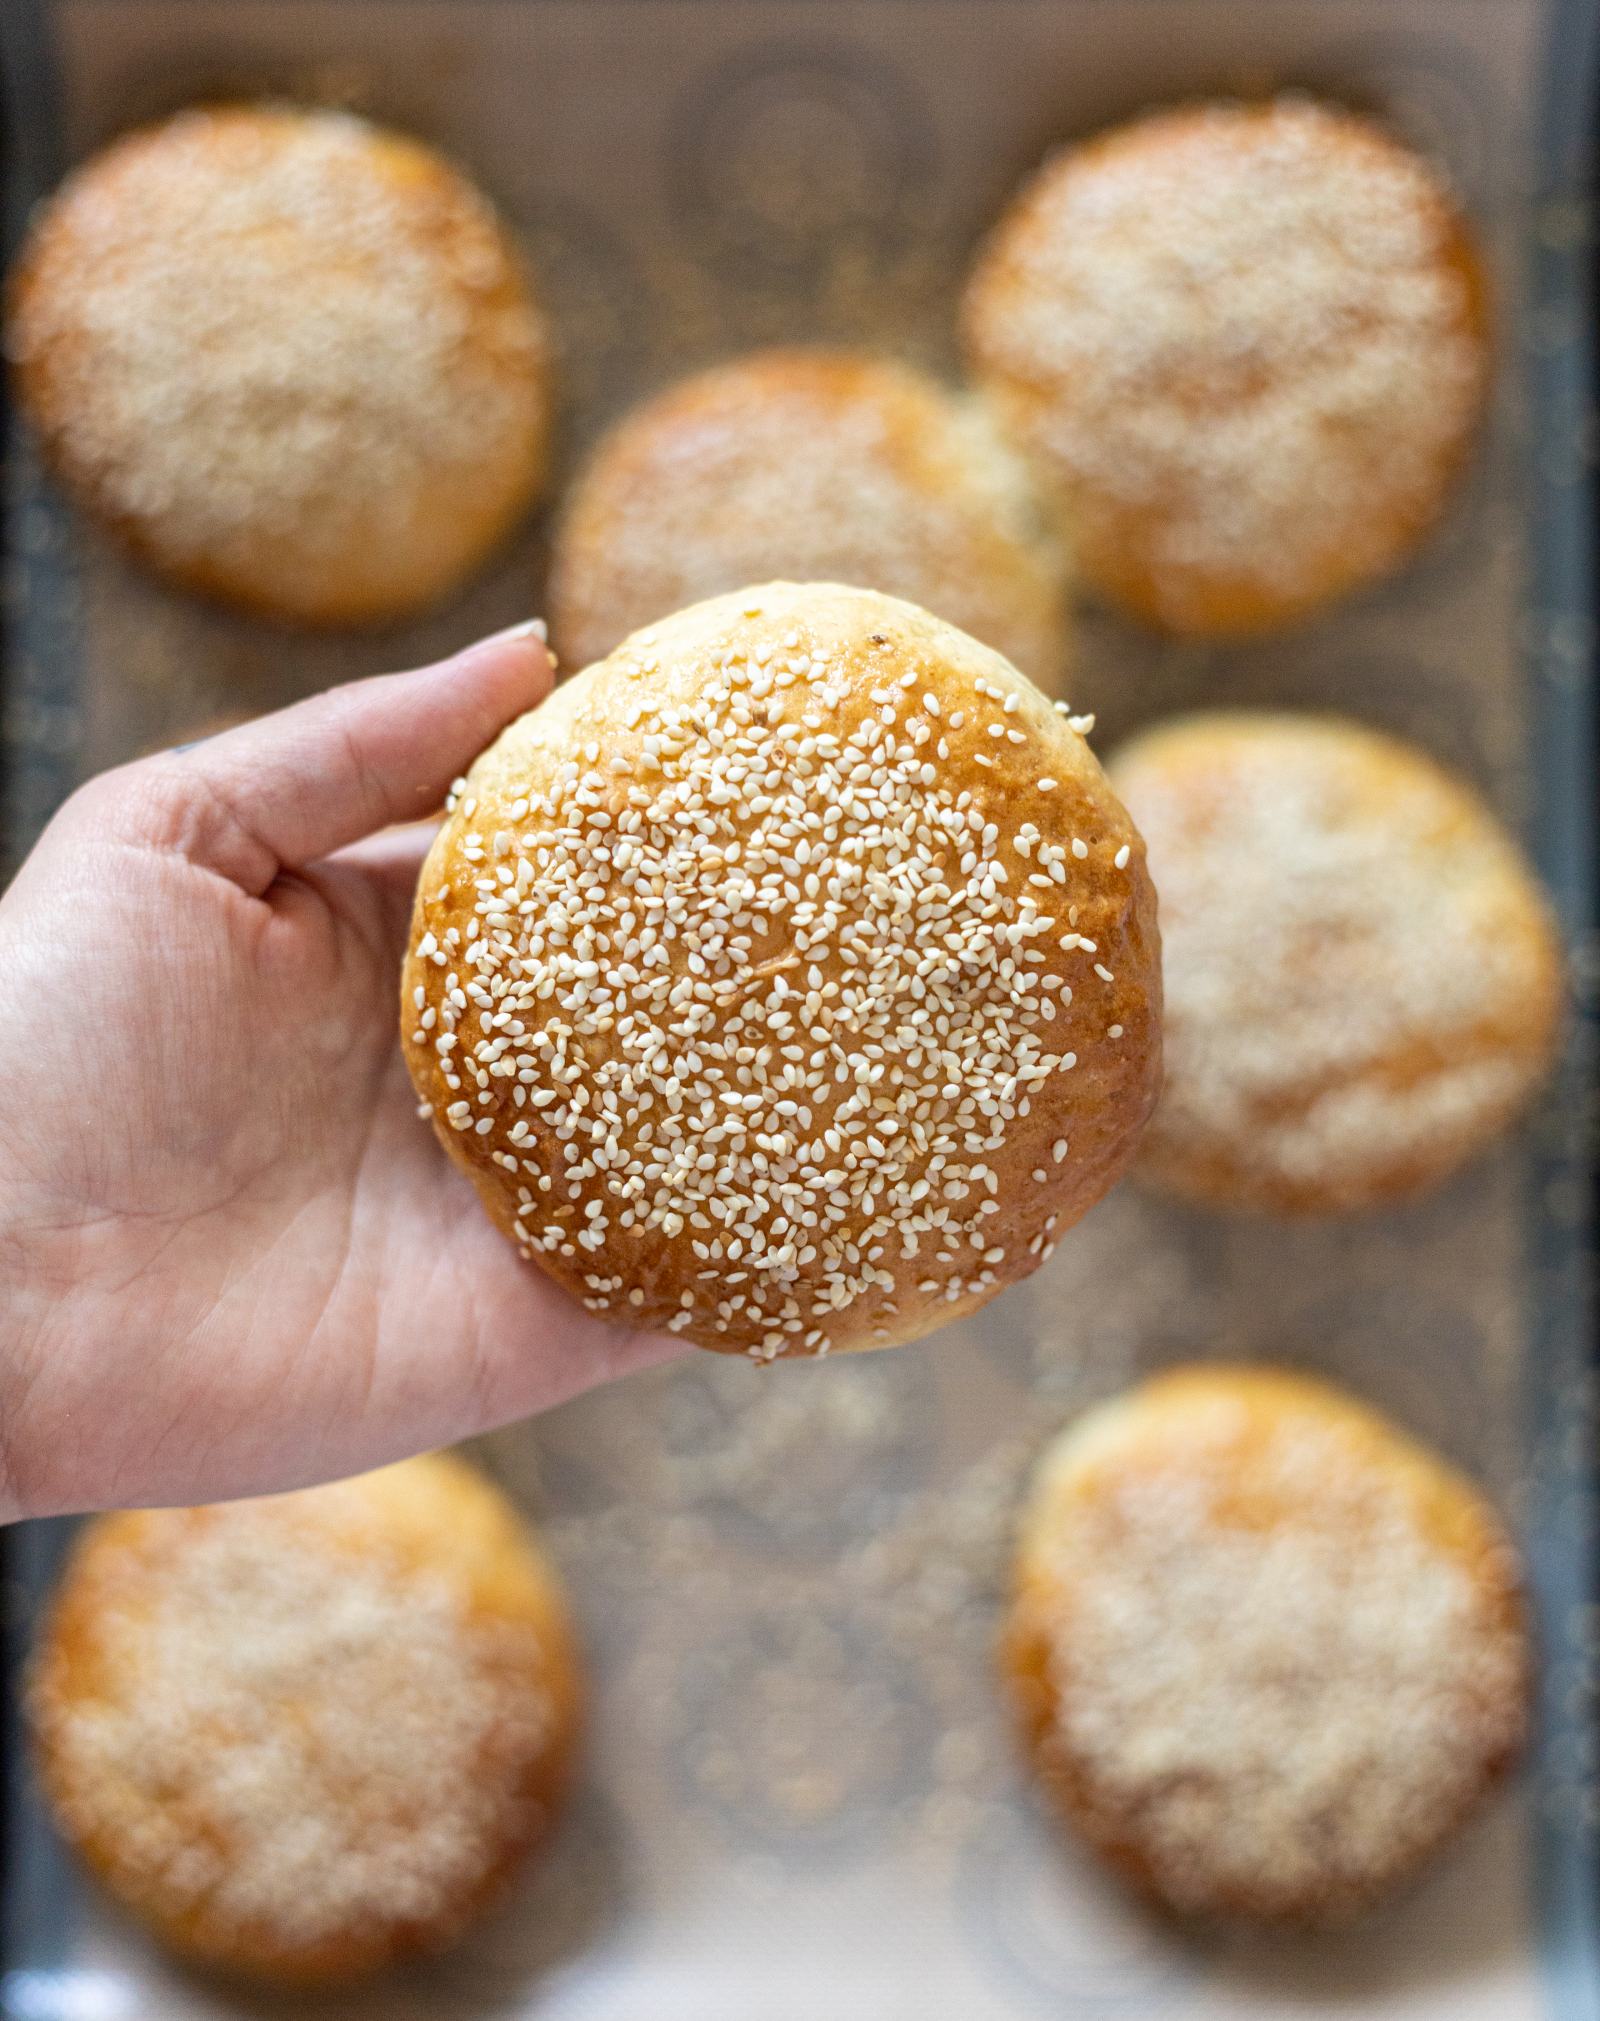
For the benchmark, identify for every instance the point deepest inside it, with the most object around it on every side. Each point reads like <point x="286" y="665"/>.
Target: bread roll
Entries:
<point x="1248" y="346"/>
<point x="1363" y="982"/>
<point x="788" y="979"/>
<point x="302" y="1737"/>
<point x="291" y="358"/>
<point x="818" y="466"/>
<point x="1268" y="1653"/>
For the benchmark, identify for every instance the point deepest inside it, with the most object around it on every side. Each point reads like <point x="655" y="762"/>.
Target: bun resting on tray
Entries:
<point x="302" y="1737"/>
<point x="819" y="466"/>
<point x="788" y="979"/>
<point x="291" y="358"/>
<point x="1268" y="1652"/>
<point x="1363" y="981"/>
<point x="1247" y="344"/>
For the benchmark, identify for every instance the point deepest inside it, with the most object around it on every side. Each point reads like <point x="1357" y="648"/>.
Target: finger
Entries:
<point x="383" y="869"/>
<point x="289" y="788"/>
<point x="489" y="1334"/>
<point x="516" y="1344"/>
<point x="515" y="1380"/>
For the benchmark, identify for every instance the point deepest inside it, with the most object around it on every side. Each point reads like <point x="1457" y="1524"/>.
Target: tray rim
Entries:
<point x="1563" y="1340"/>
<point x="39" y="664"/>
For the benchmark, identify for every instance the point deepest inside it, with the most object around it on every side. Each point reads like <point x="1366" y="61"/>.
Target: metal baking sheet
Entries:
<point x="801" y="1796"/>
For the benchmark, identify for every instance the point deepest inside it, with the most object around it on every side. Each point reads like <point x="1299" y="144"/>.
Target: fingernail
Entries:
<point x="530" y="628"/>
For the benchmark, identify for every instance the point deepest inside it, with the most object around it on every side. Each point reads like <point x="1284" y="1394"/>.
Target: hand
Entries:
<point x="232" y="1258"/>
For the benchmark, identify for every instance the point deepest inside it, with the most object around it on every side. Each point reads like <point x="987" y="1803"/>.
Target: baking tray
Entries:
<point x="801" y="1797"/>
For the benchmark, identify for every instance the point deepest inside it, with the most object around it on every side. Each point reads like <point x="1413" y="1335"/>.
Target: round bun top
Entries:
<point x="827" y="466"/>
<point x="788" y="979"/>
<point x="292" y="357"/>
<point x="1248" y="343"/>
<point x="1272" y="1650"/>
<point x="1363" y="982"/>
<point x="305" y="1734"/>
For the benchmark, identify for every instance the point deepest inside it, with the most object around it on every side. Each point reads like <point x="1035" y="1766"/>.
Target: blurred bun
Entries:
<point x="1363" y="981"/>
<point x="300" y="1738"/>
<point x="817" y="466"/>
<point x="1248" y="346"/>
<point x="290" y="357"/>
<point x="789" y="978"/>
<point x="1269" y="1654"/>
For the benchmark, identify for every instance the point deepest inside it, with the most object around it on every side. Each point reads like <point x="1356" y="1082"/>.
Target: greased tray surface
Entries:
<point x="802" y="1797"/>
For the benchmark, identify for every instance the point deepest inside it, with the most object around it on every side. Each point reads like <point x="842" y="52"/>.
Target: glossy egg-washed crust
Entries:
<point x="1055" y="1161"/>
<point x="292" y="359"/>
<point x="815" y="465"/>
<point x="1155" y="1434"/>
<point x="1350" y="932"/>
<point x="1221" y="471"/>
<point x="431" y="1523"/>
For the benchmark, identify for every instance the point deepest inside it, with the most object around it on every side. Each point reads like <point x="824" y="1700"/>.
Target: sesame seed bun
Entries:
<point x="1247" y="345"/>
<point x="788" y="979"/>
<point x="819" y="466"/>
<point x="1363" y="979"/>
<point x="1268" y="1653"/>
<point x="303" y="1737"/>
<point x="290" y="358"/>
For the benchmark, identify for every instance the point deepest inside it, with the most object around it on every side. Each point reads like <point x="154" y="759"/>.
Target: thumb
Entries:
<point x="287" y="789"/>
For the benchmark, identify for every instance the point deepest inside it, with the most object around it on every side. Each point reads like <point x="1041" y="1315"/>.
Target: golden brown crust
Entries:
<point x="304" y="1737"/>
<point x="1248" y="344"/>
<point x="788" y="979"/>
<point x="1267" y="1652"/>
<point x="813" y="466"/>
<point x="290" y="358"/>
<point x="1363" y="980"/>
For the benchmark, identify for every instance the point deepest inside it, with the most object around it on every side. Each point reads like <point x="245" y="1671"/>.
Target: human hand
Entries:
<point x="232" y="1259"/>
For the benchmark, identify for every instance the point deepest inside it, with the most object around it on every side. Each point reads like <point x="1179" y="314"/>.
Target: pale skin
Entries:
<point x="232" y="1257"/>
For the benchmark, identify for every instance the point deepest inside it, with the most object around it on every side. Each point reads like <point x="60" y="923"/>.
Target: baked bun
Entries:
<point x="290" y="357"/>
<point x="303" y="1737"/>
<point x="1248" y="344"/>
<point x="1268" y="1653"/>
<point x="1363" y="981"/>
<point x="788" y="980"/>
<point x="819" y="466"/>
